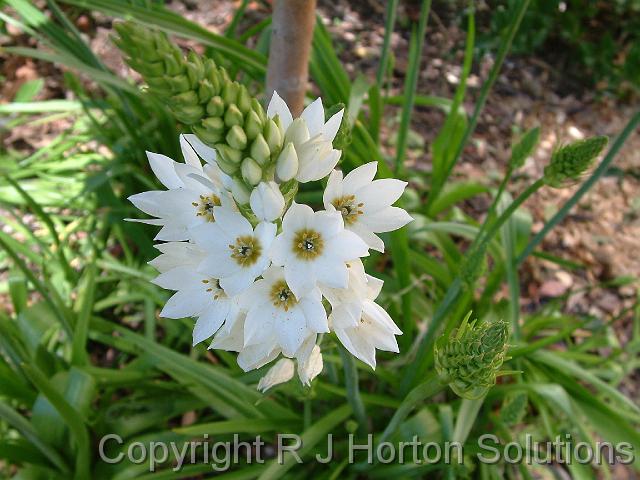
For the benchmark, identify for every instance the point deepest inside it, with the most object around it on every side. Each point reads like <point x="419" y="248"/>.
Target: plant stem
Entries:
<point x="466" y="418"/>
<point x="353" y="389"/>
<point x="291" y="35"/>
<point x="601" y="170"/>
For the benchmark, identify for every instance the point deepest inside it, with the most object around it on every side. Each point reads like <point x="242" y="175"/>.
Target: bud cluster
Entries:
<point x="469" y="360"/>
<point x="220" y="111"/>
<point x="569" y="162"/>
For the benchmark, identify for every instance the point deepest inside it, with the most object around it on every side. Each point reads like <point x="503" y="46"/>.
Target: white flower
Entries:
<point x="267" y="202"/>
<point x="231" y="338"/>
<point x="236" y="254"/>
<point x="309" y="361"/>
<point x="313" y="247"/>
<point x="193" y="191"/>
<point x="360" y="324"/>
<point x="275" y="316"/>
<point x="281" y="372"/>
<point x="365" y="203"/>
<point x="310" y="136"/>
<point x="197" y="295"/>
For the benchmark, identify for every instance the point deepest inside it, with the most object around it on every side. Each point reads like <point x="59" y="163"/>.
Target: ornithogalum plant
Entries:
<point x="244" y="259"/>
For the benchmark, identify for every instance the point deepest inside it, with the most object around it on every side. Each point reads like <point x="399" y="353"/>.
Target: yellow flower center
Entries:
<point x="213" y="286"/>
<point x="246" y="250"/>
<point x="204" y="207"/>
<point x="281" y="296"/>
<point x="349" y="208"/>
<point x="307" y="244"/>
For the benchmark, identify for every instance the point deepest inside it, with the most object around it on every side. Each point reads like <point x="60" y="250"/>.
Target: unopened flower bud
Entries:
<point x="230" y="92"/>
<point x="251" y="171"/>
<point x="568" y="163"/>
<point x="240" y="191"/>
<point x="215" y="107"/>
<point x="252" y="125"/>
<point x="272" y="135"/>
<point x="297" y="132"/>
<point x="230" y="154"/>
<point x="287" y="164"/>
<point x="281" y="372"/>
<point x="236" y="138"/>
<point x="260" y="150"/>
<point x="267" y="202"/>
<point x="213" y="124"/>
<point x="469" y="359"/>
<point x="233" y="116"/>
<point x="244" y="101"/>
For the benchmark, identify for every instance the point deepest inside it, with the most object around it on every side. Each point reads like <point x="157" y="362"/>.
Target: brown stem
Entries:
<point x="291" y="35"/>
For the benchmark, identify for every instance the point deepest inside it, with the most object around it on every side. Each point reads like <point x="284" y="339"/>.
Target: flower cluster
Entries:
<point x="255" y="269"/>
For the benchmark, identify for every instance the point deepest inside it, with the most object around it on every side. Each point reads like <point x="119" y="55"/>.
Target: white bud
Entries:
<point x="287" y="164"/>
<point x="281" y="372"/>
<point x="267" y="201"/>
<point x="297" y="132"/>
<point x="240" y="192"/>
<point x="310" y="366"/>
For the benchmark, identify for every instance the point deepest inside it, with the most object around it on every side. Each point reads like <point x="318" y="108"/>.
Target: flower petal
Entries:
<point x="387" y="219"/>
<point x="210" y="321"/>
<point x="277" y="106"/>
<point x="313" y="114"/>
<point x="281" y="372"/>
<point x="359" y="177"/>
<point x="315" y="315"/>
<point x="333" y="190"/>
<point x="162" y="167"/>
<point x="380" y="194"/>
<point x="330" y="129"/>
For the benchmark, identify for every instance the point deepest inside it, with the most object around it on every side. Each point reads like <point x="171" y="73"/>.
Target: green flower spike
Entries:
<point x="469" y="360"/>
<point x="200" y="94"/>
<point x="569" y="162"/>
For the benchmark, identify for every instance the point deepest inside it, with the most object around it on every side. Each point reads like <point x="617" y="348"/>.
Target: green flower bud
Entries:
<point x="251" y="171"/>
<point x="260" y="150"/>
<point x="230" y="92"/>
<point x="215" y="107"/>
<point x="188" y="114"/>
<point x="244" y="100"/>
<point x="568" y="163"/>
<point x="172" y="65"/>
<point x="257" y="108"/>
<point x="231" y="155"/>
<point x="521" y="150"/>
<point x="252" y="125"/>
<point x="273" y="136"/>
<point x="236" y="137"/>
<point x="287" y="163"/>
<point x="228" y="167"/>
<point x="179" y="83"/>
<point x="205" y="91"/>
<point x="213" y="124"/>
<point x="207" y="136"/>
<point x="185" y="98"/>
<point x="233" y="116"/>
<point x="469" y="360"/>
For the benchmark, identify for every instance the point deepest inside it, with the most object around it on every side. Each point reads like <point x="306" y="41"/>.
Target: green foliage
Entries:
<point x="83" y="353"/>
<point x="598" y="40"/>
<point x="571" y="161"/>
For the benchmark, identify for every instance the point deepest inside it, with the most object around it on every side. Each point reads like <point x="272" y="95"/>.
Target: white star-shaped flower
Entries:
<point x="277" y="317"/>
<point x="197" y="295"/>
<point x="360" y="324"/>
<point x="313" y="247"/>
<point x="192" y="191"/>
<point x="236" y="253"/>
<point x="308" y="153"/>
<point x="365" y="204"/>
